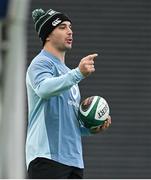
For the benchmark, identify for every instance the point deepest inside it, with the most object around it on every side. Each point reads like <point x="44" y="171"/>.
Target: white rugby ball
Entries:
<point x="93" y="111"/>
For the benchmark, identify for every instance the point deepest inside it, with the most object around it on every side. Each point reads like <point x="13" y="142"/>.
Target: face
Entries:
<point x="61" y="37"/>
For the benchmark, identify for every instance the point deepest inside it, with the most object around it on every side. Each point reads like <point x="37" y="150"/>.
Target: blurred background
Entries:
<point x="120" y="32"/>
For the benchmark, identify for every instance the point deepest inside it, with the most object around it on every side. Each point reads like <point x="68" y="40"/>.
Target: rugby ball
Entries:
<point x="93" y="111"/>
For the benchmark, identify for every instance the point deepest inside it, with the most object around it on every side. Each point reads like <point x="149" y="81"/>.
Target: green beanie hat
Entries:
<point x="46" y="22"/>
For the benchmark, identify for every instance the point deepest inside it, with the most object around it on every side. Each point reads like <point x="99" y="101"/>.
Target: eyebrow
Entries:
<point x="64" y="24"/>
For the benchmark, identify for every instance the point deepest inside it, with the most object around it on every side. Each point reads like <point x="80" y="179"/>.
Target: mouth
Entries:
<point x="69" y="40"/>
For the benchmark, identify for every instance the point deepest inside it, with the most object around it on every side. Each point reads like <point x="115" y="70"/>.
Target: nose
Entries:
<point x="69" y="31"/>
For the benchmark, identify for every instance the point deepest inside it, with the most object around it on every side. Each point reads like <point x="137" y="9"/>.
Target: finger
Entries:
<point x="89" y="62"/>
<point x="91" y="68"/>
<point x="92" y="56"/>
<point x="106" y="125"/>
<point x="109" y="119"/>
<point x="102" y="127"/>
<point x="91" y="65"/>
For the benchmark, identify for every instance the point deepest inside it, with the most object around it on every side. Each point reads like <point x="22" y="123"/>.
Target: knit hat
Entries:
<point x="46" y="22"/>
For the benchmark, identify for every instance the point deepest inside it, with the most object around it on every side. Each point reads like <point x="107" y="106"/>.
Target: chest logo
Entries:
<point x="75" y="91"/>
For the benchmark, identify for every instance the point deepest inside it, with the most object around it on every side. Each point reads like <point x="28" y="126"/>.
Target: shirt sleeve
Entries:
<point x="84" y="131"/>
<point x="43" y="79"/>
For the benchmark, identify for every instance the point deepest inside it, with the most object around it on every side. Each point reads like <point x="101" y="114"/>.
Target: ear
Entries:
<point x="48" y="38"/>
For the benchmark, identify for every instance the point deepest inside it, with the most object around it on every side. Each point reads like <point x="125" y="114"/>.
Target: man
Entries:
<point x="53" y="145"/>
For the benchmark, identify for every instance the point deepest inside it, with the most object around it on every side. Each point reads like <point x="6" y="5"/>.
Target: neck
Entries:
<point x="60" y="55"/>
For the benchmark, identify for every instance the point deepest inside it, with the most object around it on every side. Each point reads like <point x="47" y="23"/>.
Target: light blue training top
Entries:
<point x="53" y="130"/>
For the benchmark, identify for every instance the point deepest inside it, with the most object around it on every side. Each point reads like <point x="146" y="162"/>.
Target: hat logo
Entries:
<point x="52" y="12"/>
<point x="56" y="22"/>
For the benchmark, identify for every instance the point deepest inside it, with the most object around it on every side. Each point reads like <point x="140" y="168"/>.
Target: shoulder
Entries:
<point x="41" y="62"/>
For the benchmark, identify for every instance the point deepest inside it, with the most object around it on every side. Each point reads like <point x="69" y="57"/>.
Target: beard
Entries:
<point x="64" y="48"/>
<point x="59" y="43"/>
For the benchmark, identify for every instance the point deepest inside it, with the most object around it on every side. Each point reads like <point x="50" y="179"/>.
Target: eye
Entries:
<point x="70" y="27"/>
<point x="61" y="27"/>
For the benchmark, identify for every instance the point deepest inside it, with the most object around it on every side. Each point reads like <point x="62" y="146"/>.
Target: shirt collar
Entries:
<point x="51" y="56"/>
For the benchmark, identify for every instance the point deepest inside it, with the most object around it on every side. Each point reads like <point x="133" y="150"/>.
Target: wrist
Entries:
<point x="80" y="73"/>
<point x="95" y="130"/>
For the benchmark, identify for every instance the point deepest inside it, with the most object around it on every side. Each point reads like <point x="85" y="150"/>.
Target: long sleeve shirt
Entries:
<point x="54" y="131"/>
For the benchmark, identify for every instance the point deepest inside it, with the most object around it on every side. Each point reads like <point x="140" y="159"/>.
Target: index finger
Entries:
<point x="92" y="56"/>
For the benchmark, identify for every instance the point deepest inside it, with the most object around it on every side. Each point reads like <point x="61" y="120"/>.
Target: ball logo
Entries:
<point x="86" y="104"/>
<point x="102" y="111"/>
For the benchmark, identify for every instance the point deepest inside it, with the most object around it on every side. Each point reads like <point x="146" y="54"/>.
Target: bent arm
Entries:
<point x="43" y="79"/>
<point x="55" y="85"/>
